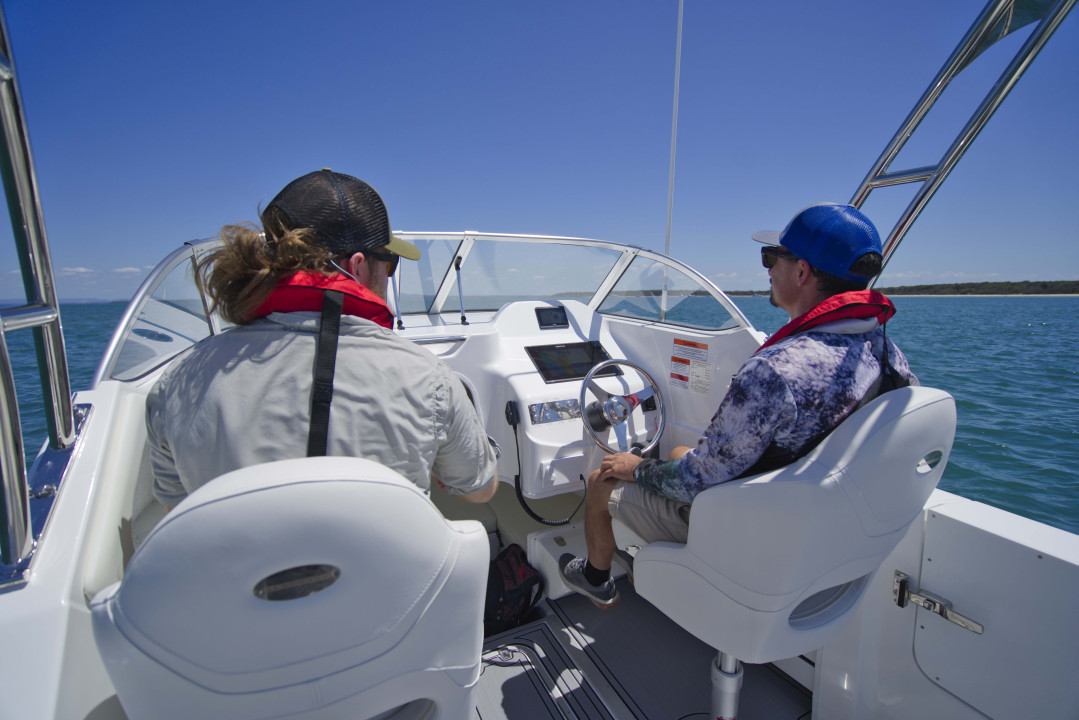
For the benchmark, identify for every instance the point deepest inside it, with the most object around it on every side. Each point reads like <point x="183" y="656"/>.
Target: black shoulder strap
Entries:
<point x="325" y="361"/>
<point x="889" y="379"/>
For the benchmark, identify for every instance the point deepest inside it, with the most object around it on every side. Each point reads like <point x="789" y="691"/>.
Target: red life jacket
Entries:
<point x="303" y="291"/>
<point x="857" y="304"/>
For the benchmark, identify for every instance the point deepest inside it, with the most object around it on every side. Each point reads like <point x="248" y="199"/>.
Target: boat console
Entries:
<point x="525" y="371"/>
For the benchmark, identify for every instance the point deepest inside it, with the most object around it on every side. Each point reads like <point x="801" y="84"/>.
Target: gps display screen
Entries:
<point x="569" y="361"/>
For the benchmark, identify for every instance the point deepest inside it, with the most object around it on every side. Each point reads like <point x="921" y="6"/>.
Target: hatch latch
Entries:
<point x="902" y="595"/>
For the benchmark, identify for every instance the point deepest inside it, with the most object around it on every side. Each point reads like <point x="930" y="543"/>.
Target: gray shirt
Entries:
<point x="243" y="397"/>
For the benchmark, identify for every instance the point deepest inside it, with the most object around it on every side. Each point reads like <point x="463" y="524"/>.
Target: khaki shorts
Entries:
<point x="652" y="517"/>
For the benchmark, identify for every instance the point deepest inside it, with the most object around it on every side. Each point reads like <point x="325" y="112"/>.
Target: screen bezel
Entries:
<point x="552" y="318"/>
<point x="544" y="356"/>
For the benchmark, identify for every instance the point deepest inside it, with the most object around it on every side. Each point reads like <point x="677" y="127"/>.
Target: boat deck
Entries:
<point x="581" y="662"/>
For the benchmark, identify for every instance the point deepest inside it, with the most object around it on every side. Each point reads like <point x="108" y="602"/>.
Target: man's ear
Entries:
<point x="804" y="271"/>
<point x="355" y="262"/>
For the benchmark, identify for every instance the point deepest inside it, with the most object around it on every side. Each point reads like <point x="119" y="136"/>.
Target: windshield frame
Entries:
<point x="445" y="297"/>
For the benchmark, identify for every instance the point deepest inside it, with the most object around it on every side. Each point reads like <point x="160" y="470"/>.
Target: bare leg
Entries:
<point x="598" y="530"/>
<point x="678" y="452"/>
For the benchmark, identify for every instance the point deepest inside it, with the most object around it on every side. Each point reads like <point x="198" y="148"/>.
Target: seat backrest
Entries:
<point x="329" y="587"/>
<point x="775" y="562"/>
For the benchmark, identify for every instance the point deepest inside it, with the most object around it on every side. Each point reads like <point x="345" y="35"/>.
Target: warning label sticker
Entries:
<point x="690" y="367"/>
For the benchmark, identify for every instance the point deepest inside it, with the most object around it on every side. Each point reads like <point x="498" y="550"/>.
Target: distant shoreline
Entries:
<point x="968" y="295"/>
<point x="1025" y="288"/>
<point x="745" y="293"/>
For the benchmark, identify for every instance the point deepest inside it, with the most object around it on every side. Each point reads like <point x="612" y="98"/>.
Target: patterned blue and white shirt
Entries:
<point x="786" y="396"/>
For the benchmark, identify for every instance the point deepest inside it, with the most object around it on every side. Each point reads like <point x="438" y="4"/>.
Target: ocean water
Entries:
<point x="87" y="329"/>
<point x="1012" y="364"/>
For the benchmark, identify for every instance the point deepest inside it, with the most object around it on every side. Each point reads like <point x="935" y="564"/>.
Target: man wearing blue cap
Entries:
<point x="832" y="357"/>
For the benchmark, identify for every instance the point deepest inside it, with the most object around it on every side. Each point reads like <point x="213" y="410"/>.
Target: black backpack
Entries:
<point x="514" y="588"/>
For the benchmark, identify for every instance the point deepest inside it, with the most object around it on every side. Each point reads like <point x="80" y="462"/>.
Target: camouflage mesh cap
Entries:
<point x="346" y="214"/>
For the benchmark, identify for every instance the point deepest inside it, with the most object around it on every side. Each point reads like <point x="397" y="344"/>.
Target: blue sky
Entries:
<point x="155" y="123"/>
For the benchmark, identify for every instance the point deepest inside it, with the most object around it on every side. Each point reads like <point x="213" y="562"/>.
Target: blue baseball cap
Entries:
<point x="829" y="236"/>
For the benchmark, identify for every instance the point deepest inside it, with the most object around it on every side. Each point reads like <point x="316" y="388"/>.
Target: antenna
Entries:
<point x="674" y="144"/>
<point x="674" y="128"/>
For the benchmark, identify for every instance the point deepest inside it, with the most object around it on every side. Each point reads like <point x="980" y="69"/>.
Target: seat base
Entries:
<point x="726" y="686"/>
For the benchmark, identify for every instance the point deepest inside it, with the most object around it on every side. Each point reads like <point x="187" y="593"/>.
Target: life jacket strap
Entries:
<point x="325" y="361"/>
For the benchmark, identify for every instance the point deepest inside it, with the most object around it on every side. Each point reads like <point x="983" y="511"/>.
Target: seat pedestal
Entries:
<point x="726" y="684"/>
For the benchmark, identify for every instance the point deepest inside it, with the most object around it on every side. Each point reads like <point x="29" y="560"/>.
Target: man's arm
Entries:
<point x="466" y="463"/>
<point x="757" y="403"/>
<point x="482" y="495"/>
<point x="167" y="489"/>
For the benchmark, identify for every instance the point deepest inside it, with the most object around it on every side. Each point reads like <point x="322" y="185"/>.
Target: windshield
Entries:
<point x="171" y="317"/>
<point x="496" y="273"/>
<point x="168" y="315"/>
<point x="651" y="290"/>
<point x="499" y="270"/>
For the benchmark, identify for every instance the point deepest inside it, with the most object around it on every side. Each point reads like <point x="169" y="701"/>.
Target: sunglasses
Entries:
<point x="770" y="254"/>
<point x="390" y="258"/>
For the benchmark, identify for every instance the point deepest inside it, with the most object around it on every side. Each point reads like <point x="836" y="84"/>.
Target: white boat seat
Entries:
<point x="775" y="563"/>
<point x="380" y="611"/>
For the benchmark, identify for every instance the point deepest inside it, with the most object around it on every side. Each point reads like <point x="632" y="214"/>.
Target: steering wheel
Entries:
<point x="614" y="410"/>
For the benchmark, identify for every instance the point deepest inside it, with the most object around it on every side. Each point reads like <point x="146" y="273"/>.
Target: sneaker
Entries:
<point x="603" y="596"/>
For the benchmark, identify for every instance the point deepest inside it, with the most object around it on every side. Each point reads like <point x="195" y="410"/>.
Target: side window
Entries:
<point x="172" y="320"/>
<point x="419" y="280"/>
<point x="639" y="294"/>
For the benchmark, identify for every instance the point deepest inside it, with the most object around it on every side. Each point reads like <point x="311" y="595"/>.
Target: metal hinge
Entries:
<point x="937" y="605"/>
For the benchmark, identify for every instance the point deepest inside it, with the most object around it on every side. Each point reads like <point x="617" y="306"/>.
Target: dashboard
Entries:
<point x="524" y="371"/>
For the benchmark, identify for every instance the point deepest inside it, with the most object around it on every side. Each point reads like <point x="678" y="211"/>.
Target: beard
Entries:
<point x="379" y="280"/>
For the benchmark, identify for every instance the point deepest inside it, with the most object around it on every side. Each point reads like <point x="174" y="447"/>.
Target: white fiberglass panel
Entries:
<point x="1017" y="578"/>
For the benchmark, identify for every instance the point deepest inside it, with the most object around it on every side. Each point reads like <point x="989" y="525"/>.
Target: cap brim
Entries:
<point x="768" y="237"/>
<point x="405" y="249"/>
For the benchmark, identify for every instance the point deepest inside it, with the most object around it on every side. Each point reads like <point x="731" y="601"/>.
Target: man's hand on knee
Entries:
<point x="619" y="467"/>
<point x="599" y="490"/>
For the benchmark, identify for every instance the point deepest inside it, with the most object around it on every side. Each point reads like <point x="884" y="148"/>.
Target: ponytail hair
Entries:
<point x="240" y="275"/>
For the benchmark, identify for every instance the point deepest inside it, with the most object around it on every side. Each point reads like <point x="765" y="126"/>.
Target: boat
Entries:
<point x="968" y="614"/>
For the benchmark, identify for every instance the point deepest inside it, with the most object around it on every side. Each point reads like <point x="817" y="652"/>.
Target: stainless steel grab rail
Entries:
<point x="998" y="18"/>
<point x="41" y="314"/>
